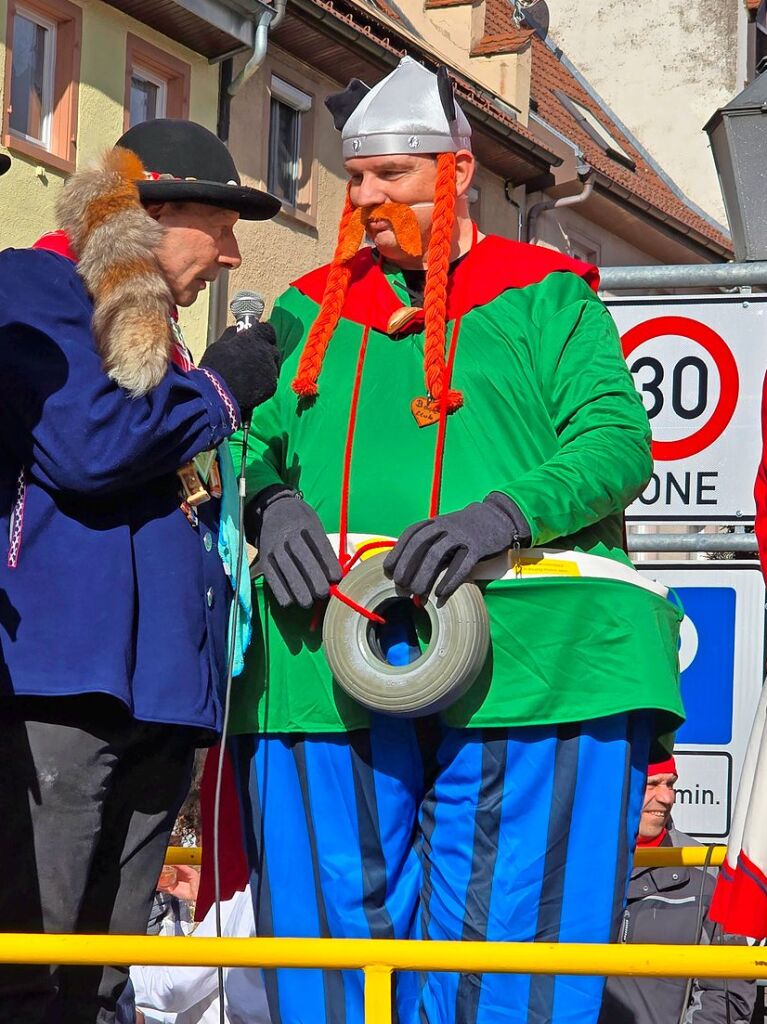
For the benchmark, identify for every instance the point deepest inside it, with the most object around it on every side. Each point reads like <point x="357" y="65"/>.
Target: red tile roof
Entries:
<point x="644" y="185"/>
<point x="549" y="76"/>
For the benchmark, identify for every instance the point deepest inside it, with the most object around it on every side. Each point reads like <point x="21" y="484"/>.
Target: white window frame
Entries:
<point x="591" y="250"/>
<point x="297" y="100"/>
<point x="290" y="95"/>
<point x="142" y="72"/>
<point x="49" y="76"/>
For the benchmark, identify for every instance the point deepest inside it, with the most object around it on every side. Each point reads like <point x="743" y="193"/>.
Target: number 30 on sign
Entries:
<point x="698" y="366"/>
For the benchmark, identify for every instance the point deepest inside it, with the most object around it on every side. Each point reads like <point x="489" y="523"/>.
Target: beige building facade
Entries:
<point x="74" y="75"/>
<point x="530" y="113"/>
<point x="664" y="69"/>
<point x="554" y="165"/>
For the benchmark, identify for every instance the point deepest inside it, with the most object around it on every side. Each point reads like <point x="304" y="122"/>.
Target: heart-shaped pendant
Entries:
<point x="425" y="411"/>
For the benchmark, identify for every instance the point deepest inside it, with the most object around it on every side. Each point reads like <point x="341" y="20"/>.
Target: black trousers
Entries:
<point x="88" y="798"/>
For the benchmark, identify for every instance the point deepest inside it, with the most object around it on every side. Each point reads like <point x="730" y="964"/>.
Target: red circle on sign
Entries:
<point x="716" y="346"/>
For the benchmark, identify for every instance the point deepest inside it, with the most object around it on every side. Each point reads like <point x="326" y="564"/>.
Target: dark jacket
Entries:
<point x="663" y="907"/>
<point x="113" y="591"/>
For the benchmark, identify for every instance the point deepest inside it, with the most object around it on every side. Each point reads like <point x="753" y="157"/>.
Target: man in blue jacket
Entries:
<point x="113" y="595"/>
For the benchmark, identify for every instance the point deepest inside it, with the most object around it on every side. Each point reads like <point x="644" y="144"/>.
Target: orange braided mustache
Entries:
<point x="403" y="222"/>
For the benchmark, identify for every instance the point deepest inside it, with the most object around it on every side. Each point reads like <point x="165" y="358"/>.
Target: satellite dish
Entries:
<point x="532" y="14"/>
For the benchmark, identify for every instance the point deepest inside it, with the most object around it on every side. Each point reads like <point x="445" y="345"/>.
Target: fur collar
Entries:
<point x="115" y="240"/>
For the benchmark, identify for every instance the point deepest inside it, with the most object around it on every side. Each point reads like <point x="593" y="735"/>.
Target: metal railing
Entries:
<point x="698" y="275"/>
<point x="657" y="856"/>
<point x="379" y="958"/>
<point x="744" y="543"/>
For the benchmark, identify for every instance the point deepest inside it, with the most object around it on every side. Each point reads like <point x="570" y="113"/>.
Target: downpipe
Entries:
<point x="269" y="18"/>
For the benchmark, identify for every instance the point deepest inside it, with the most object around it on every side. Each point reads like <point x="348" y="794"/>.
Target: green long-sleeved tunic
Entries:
<point x="550" y="417"/>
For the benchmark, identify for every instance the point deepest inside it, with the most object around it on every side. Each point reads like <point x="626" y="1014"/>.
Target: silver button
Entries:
<point x="645" y="888"/>
<point x="675" y="877"/>
<point x="210" y="596"/>
<point x="208" y="541"/>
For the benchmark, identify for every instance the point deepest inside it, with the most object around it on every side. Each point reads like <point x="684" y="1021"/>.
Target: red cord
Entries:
<point x="371" y="545"/>
<point x="343" y="554"/>
<point x="347" y="560"/>
<point x="364" y="612"/>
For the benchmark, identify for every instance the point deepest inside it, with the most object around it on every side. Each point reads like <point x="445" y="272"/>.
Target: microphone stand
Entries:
<point x="227" y="705"/>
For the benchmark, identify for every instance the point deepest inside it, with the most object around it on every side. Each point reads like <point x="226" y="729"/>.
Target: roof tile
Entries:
<point x="550" y="75"/>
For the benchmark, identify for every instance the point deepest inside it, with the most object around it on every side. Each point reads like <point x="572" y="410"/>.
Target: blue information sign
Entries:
<point x="707" y="681"/>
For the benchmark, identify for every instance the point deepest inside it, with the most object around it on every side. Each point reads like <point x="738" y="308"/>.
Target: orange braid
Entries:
<point x="309" y="366"/>
<point x="435" y="289"/>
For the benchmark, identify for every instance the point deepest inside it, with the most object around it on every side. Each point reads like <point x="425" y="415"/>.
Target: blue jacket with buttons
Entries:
<point x="113" y="590"/>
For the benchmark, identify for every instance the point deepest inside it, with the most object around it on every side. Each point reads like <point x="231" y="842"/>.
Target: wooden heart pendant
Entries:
<point x="425" y="411"/>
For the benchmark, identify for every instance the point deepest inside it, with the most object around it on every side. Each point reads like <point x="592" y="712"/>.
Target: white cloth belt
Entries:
<point x="536" y="563"/>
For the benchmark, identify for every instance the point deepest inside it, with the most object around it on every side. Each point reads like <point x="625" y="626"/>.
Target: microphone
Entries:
<point x="247" y="309"/>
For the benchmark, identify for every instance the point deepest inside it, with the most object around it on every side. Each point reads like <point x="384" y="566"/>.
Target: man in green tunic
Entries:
<point x="467" y="395"/>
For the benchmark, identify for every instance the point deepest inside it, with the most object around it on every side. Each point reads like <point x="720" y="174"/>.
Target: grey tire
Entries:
<point x="460" y="639"/>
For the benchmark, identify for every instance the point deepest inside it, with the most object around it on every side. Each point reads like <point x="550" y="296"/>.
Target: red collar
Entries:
<point x="58" y="242"/>
<point x="491" y="267"/>
<point x="642" y="842"/>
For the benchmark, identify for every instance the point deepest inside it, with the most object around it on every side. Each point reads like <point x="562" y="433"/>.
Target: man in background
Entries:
<point x="670" y="905"/>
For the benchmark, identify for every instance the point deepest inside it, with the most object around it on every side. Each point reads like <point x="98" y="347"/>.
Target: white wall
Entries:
<point x="663" y="66"/>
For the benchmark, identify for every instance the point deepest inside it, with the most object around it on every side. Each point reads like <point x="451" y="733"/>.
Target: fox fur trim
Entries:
<point x="116" y="240"/>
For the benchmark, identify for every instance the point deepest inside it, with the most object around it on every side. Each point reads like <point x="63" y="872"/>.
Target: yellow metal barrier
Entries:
<point x="657" y="856"/>
<point x="184" y="855"/>
<point x="673" y="856"/>
<point x="379" y="957"/>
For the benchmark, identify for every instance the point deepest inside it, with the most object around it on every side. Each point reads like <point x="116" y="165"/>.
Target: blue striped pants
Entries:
<point x="412" y="829"/>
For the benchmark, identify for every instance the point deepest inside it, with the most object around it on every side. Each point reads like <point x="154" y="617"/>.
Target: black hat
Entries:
<point x="5" y="163"/>
<point x="192" y="165"/>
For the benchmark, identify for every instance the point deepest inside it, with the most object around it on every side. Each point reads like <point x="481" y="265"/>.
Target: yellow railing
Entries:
<point x="673" y="856"/>
<point x="378" y="958"/>
<point x="658" y="856"/>
<point x="184" y="855"/>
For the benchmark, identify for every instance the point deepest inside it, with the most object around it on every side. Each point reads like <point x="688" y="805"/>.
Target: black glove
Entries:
<point x="297" y="559"/>
<point x="455" y="542"/>
<point x="248" y="361"/>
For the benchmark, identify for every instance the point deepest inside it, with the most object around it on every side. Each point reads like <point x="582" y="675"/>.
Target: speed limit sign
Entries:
<point x="698" y="364"/>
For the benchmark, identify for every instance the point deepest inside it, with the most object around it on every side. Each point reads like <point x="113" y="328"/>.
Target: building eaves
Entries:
<point x="648" y="157"/>
<point x="431" y="5"/>
<point x="213" y="28"/>
<point x="385" y="38"/>
<point x="552" y="73"/>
